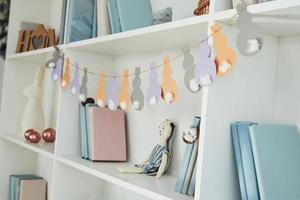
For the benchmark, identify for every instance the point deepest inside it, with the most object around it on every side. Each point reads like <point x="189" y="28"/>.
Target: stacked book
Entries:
<point x="102" y="129"/>
<point x="27" y="187"/>
<point x="267" y="159"/>
<point x="126" y="15"/>
<point x="187" y="174"/>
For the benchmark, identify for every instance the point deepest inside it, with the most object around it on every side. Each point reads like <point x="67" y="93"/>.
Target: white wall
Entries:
<point x="1" y="78"/>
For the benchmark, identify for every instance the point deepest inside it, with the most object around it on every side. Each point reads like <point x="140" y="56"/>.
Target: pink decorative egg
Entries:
<point x="34" y="137"/>
<point x="27" y="133"/>
<point x="49" y="135"/>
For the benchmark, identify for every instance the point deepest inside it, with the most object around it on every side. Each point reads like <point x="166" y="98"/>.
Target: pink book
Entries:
<point x="33" y="189"/>
<point x="108" y="136"/>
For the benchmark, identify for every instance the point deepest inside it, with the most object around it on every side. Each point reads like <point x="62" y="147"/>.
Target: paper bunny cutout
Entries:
<point x="100" y="96"/>
<point x="169" y="87"/>
<point x="124" y="98"/>
<point x="249" y="40"/>
<point x="137" y="96"/>
<point x="66" y="77"/>
<point x="57" y="71"/>
<point x="154" y="91"/>
<point x="83" y="91"/>
<point x="225" y="56"/>
<point x="75" y="83"/>
<point x="189" y="76"/>
<point x="112" y="96"/>
<point x="52" y="62"/>
<point x="205" y="72"/>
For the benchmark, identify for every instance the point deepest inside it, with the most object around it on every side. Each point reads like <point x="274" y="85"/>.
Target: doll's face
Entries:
<point x="165" y="130"/>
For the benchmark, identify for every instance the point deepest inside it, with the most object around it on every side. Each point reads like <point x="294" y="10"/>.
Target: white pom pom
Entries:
<point x="55" y="77"/>
<point x="51" y="65"/>
<point x="253" y="46"/>
<point x="111" y="105"/>
<point x="100" y="103"/>
<point x="82" y="97"/>
<point x="123" y="105"/>
<point x="136" y="105"/>
<point x="169" y="98"/>
<point x="74" y="90"/>
<point x="153" y="101"/>
<point x="194" y="86"/>
<point x="225" y="66"/>
<point x="63" y="84"/>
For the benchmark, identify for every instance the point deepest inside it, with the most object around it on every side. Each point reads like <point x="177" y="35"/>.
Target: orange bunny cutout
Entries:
<point x="100" y="96"/>
<point x="66" y="77"/>
<point x="169" y="87"/>
<point x="124" y="98"/>
<point x="225" y="57"/>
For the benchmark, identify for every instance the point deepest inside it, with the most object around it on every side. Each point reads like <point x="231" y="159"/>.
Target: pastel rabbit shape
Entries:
<point x="57" y="71"/>
<point x="100" y="96"/>
<point x="33" y="116"/>
<point x="124" y="98"/>
<point x="225" y="57"/>
<point x="112" y="96"/>
<point x="249" y="40"/>
<point x="205" y="72"/>
<point x="189" y="76"/>
<point x="137" y="96"/>
<point x="52" y="62"/>
<point x="169" y="86"/>
<point x="66" y="77"/>
<point x="154" y="91"/>
<point x="83" y="91"/>
<point x="75" y="83"/>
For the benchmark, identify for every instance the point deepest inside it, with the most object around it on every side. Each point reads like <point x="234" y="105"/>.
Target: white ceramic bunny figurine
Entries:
<point x="33" y="116"/>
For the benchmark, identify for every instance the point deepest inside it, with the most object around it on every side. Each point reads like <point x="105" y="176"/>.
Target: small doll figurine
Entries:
<point x="160" y="157"/>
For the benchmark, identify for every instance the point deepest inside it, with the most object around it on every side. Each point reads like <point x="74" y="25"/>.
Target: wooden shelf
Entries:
<point x="45" y="149"/>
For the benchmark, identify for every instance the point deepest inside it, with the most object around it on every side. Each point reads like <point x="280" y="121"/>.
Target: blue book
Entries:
<point x="276" y="151"/>
<point x="185" y="162"/>
<point x="247" y="161"/>
<point x="192" y="186"/>
<point x="14" y="181"/>
<point x="134" y="14"/>
<point x="82" y="129"/>
<point x="88" y="130"/>
<point x="113" y="16"/>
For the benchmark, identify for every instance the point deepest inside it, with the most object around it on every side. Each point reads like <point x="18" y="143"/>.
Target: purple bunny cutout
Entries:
<point x="75" y="83"/>
<point x="57" y="71"/>
<point x="154" y="92"/>
<point x="205" y="71"/>
<point x="112" y="96"/>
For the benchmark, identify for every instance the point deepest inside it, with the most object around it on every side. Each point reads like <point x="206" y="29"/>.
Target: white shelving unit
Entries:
<point x="262" y="88"/>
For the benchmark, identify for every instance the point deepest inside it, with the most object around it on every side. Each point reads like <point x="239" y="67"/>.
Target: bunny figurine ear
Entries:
<point x="83" y="88"/>
<point x="250" y="38"/>
<point x="137" y="96"/>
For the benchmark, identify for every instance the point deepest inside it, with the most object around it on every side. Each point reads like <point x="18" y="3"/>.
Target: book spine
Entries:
<point x="114" y="17"/>
<point x="190" y="169"/>
<point x="184" y="167"/>
<point x="192" y="186"/>
<point x="103" y="18"/>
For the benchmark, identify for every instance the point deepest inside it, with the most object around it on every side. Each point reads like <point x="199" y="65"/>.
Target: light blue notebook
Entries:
<point x="186" y="160"/>
<point x="192" y="186"/>
<point x="134" y="14"/>
<point x="247" y="160"/>
<point x="82" y="129"/>
<point x="276" y="150"/>
<point x="88" y="130"/>
<point x="113" y="16"/>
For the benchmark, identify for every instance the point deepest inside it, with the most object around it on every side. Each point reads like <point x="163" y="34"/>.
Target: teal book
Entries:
<point x="276" y="151"/>
<point x="134" y="14"/>
<point x="185" y="161"/>
<point x="244" y="160"/>
<point x="82" y="129"/>
<point x="113" y="16"/>
<point x="192" y="186"/>
<point x="88" y="130"/>
<point x="14" y="182"/>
